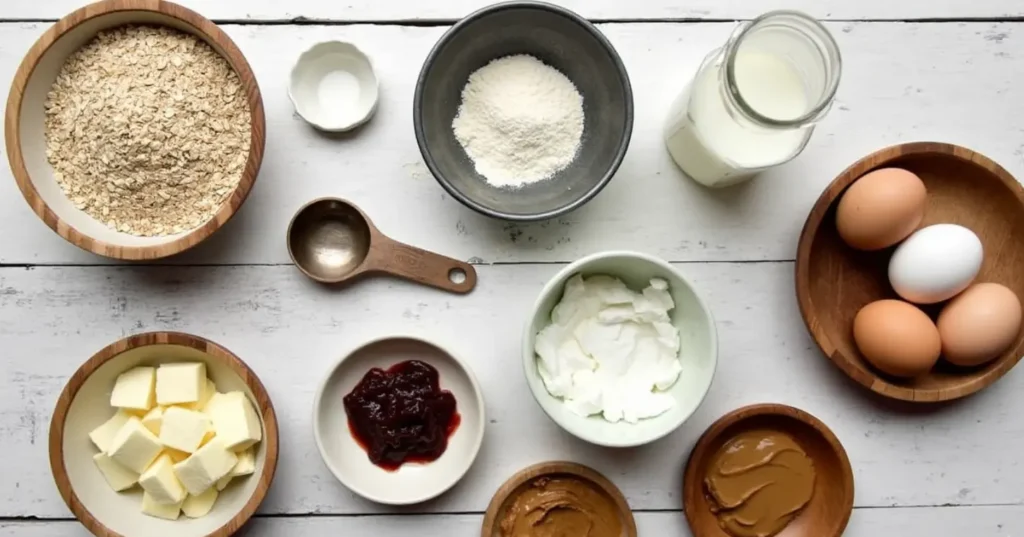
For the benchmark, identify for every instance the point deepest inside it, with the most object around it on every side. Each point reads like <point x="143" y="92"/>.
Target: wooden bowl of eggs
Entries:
<point x="907" y="271"/>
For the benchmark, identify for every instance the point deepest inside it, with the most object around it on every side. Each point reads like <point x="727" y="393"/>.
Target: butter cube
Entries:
<point x="208" y="390"/>
<point x="235" y="420"/>
<point x="183" y="429"/>
<point x="133" y="389"/>
<point x="199" y="505"/>
<point x="177" y="456"/>
<point x="208" y="464"/>
<point x="134" y="446"/>
<point x="104" y="435"/>
<point x="222" y="483"/>
<point x="246" y="463"/>
<point x="211" y="433"/>
<point x="161" y="484"/>
<point x="118" y="477"/>
<point x="153" y="419"/>
<point x="180" y="383"/>
<point x="160" y="510"/>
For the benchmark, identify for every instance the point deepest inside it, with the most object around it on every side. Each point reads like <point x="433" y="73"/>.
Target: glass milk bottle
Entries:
<point x="754" y="102"/>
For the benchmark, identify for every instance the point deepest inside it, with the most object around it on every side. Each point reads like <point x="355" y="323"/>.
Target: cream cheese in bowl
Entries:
<point x="619" y="349"/>
<point x="610" y="350"/>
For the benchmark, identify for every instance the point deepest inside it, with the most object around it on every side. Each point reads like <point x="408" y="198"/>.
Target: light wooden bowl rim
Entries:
<point x="492" y="516"/>
<point x="60" y="414"/>
<point x="867" y="376"/>
<point x="205" y="29"/>
<point x="694" y="476"/>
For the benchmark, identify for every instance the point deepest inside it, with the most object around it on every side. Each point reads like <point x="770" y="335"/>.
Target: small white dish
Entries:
<point x="412" y="482"/>
<point x="333" y="86"/>
<point x="698" y="349"/>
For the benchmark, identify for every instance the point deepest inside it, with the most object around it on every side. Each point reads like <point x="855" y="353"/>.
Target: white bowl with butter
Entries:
<point x="144" y="405"/>
<point x="674" y="388"/>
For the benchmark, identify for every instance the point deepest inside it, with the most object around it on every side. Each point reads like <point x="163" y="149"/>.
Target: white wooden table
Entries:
<point x="947" y="70"/>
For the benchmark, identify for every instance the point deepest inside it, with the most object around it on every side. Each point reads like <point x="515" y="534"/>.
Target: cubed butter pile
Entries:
<point x="177" y="438"/>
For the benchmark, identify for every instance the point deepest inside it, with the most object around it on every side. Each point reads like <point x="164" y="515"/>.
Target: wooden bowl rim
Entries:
<point x="693" y="475"/>
<point x="491" y="517"/>
<point x="67" y="396"/>
<point x="206" y="30"/>
<point x="868" y="377"/>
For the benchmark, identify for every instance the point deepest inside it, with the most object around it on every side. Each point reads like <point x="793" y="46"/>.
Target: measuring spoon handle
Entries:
<point x="421" y="266"/>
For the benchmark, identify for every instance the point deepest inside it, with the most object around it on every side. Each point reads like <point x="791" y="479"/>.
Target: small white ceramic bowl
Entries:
<point x="412" y="482"/>
<point x="698" y="348"/>
<point x="85" y="404"/>
<point x="333" y="86"/>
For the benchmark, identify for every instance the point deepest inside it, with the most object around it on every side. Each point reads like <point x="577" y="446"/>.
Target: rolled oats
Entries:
<point x="147" y="130"/>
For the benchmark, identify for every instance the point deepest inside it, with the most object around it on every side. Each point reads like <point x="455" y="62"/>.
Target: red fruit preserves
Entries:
<point x="401" y="414"/>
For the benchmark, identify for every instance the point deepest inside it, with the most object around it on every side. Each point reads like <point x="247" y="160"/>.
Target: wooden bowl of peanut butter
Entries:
<point x="558" y="498"/>
<point x="768" y="470"/>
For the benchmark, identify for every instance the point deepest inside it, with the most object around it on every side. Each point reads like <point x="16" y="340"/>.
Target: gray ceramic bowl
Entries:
<point x="559" y="38"/>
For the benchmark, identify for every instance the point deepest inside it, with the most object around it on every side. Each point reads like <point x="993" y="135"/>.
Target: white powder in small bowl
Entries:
<point x="520" y="121"/>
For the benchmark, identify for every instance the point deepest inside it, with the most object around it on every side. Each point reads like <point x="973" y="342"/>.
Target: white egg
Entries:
<point x="935" y="263"/>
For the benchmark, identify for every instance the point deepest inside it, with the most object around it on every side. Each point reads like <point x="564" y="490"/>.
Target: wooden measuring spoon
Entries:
<point x="332" y="241"/>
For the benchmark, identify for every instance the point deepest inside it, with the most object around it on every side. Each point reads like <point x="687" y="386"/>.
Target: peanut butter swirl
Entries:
<point x="561" y="507"/>
<point x="758" y="482"/>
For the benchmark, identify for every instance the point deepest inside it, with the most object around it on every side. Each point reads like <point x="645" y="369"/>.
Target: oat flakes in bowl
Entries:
<point x="135" y="129"/>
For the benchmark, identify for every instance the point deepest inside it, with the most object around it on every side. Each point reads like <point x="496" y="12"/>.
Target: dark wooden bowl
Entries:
<point x="503" y="498"/>
<point x="833" y="281"/>
<point x="832" y="504"/>
<point x="84" y="404"/>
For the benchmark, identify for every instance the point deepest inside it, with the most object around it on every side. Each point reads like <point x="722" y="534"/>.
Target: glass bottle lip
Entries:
<point x="823" y="104"/>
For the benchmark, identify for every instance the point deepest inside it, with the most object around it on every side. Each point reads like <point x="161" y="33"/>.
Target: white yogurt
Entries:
<point x="610" y="350"/>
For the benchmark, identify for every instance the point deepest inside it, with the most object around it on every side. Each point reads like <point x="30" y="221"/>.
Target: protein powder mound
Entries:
<point x="520" y="121"/>
<point x="147" y="130"/>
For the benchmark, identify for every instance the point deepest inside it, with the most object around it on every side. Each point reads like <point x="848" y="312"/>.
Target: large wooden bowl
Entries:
<point x="85" y="404"/>
<point x="24" y="126"/>
<point x="833" y="281"/>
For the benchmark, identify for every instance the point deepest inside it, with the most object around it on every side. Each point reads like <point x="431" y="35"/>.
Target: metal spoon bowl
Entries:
<point x="332" y="241"/>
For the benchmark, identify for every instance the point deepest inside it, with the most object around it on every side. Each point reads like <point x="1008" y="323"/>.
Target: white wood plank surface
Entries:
<point x="947" y="471"/>
<point x="290" y="331"/>
<point x="408" y="10"/>
<point x="939" y="81"/>
<point x="997" y="521"/>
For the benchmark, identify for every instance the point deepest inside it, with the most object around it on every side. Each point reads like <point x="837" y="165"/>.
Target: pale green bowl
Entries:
<point x="698" y="349"/>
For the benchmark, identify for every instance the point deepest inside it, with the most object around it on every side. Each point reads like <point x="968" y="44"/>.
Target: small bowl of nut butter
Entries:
<point x="563" y="498"/>
<point x="767" y="470"/>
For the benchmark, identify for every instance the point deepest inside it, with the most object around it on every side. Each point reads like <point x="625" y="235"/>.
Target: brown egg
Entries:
<point x="897" y="338"/>
<point x="979" y="324"/>
<point x="881" y="209"/>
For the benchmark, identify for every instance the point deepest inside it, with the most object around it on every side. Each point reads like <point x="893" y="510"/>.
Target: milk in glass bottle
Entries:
<point x="754" y="102"/>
